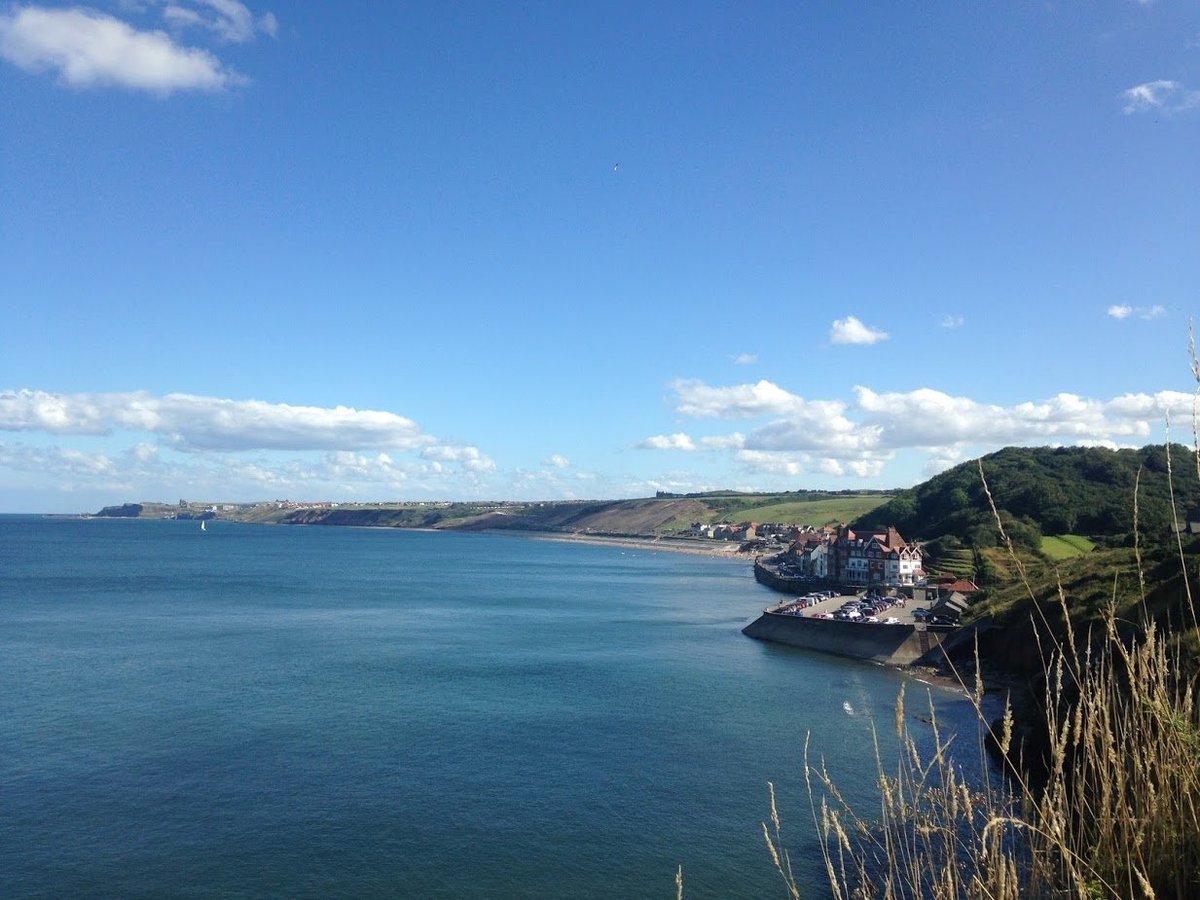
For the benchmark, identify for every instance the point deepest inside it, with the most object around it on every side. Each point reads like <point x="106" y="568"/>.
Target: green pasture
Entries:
<point x="826" y="511"/>
<point x="1066" y="546"/>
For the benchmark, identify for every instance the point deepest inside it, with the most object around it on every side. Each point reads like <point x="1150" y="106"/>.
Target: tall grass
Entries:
<point x="1114" y="810"/>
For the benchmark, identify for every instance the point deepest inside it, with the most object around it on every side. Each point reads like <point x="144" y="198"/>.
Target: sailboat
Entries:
<point x="203" y="525"/>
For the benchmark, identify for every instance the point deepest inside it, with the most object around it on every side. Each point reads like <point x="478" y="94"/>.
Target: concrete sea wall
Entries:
<point x="896" y="645"/>
<point x="770" y="576"/>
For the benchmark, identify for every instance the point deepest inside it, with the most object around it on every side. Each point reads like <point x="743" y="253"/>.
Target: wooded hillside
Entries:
<point x="1048" y="491"/>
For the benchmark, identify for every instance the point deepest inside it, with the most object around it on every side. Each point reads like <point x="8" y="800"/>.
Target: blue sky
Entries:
<point x="374" y="251"/>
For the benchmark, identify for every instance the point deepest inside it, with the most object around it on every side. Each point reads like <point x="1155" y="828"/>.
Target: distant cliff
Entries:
<point x="644" y="517"/>
<point x="124" y="511"/>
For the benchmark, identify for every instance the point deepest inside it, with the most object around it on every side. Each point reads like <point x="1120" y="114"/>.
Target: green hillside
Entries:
<point x="1086" y="491"/>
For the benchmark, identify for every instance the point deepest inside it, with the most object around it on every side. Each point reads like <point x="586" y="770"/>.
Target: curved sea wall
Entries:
<point x="770" y="576"/>
<point x="895" y="645"/>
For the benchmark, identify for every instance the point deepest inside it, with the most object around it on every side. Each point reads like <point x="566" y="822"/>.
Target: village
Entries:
<point x="840" y="555"/>
<point x="821" y="565"/>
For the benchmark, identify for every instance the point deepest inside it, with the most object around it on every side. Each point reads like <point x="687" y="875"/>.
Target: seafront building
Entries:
<point x="856" y="557"/>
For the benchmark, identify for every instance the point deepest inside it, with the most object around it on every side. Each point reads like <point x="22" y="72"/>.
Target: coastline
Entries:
<point x="923" y="672"/>
<point x="719" y="550"/>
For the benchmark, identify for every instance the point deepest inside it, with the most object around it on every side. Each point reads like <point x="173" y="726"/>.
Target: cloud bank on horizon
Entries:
<point x="225" y="447"/>
<point x="249" y="449"/>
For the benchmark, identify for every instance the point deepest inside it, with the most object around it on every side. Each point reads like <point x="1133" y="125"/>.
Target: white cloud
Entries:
<point x="930" y="419"/>
<point x="469" y="457"/>
<point x="69" y="470"/>
<point x="799" y="423"/>
<point x="200" y="424"/>
<point x="852" y="331"/>
<point x="558" y="461"/>
<point x="857" y="438"/>
<point x="59" y="460"/>
<point x="734" y="441"/>
<point x="949" y="321"/>
<point x="1158" y="96"/>
<point x="219" y="448"/>
<point x="210" y="423"/>
<point x="786" y="464"/>
<point x="677" y="441"/>
<point x="229" y="20"/>
<point x="91" y="49"/>
<point x="1147" y="96"/>
<point x="1122" y="311"/>
<point x="743" y="401"/>
<point x="347" y="466"/>
<point x="944" y="458"/>
<point x="744" y="359"/>
<point x="795" y="465"/>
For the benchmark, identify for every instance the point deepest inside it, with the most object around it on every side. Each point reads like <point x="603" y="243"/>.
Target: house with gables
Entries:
<point x="875" y="558"/>
<point x="808" y="554"/>
<point x="854" y="557"/>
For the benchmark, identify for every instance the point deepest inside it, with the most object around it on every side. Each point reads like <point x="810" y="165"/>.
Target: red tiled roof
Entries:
<point x="962" y="585"/>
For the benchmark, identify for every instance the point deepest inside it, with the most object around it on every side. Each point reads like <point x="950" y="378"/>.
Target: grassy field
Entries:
<point x="826" y="511"/>
<point x="1066" y="546"/>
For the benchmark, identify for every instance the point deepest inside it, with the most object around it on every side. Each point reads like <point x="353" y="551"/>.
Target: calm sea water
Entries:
<point x="320" y="712"/>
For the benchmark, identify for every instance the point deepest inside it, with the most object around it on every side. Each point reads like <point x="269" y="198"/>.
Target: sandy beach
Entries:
<point x="723" y="549"/>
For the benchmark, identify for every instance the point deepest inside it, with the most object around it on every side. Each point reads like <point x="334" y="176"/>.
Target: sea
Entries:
<point x="273" y="711"/>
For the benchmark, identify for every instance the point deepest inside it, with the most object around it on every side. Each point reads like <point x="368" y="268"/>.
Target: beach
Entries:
<point x="695" y="546"/>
